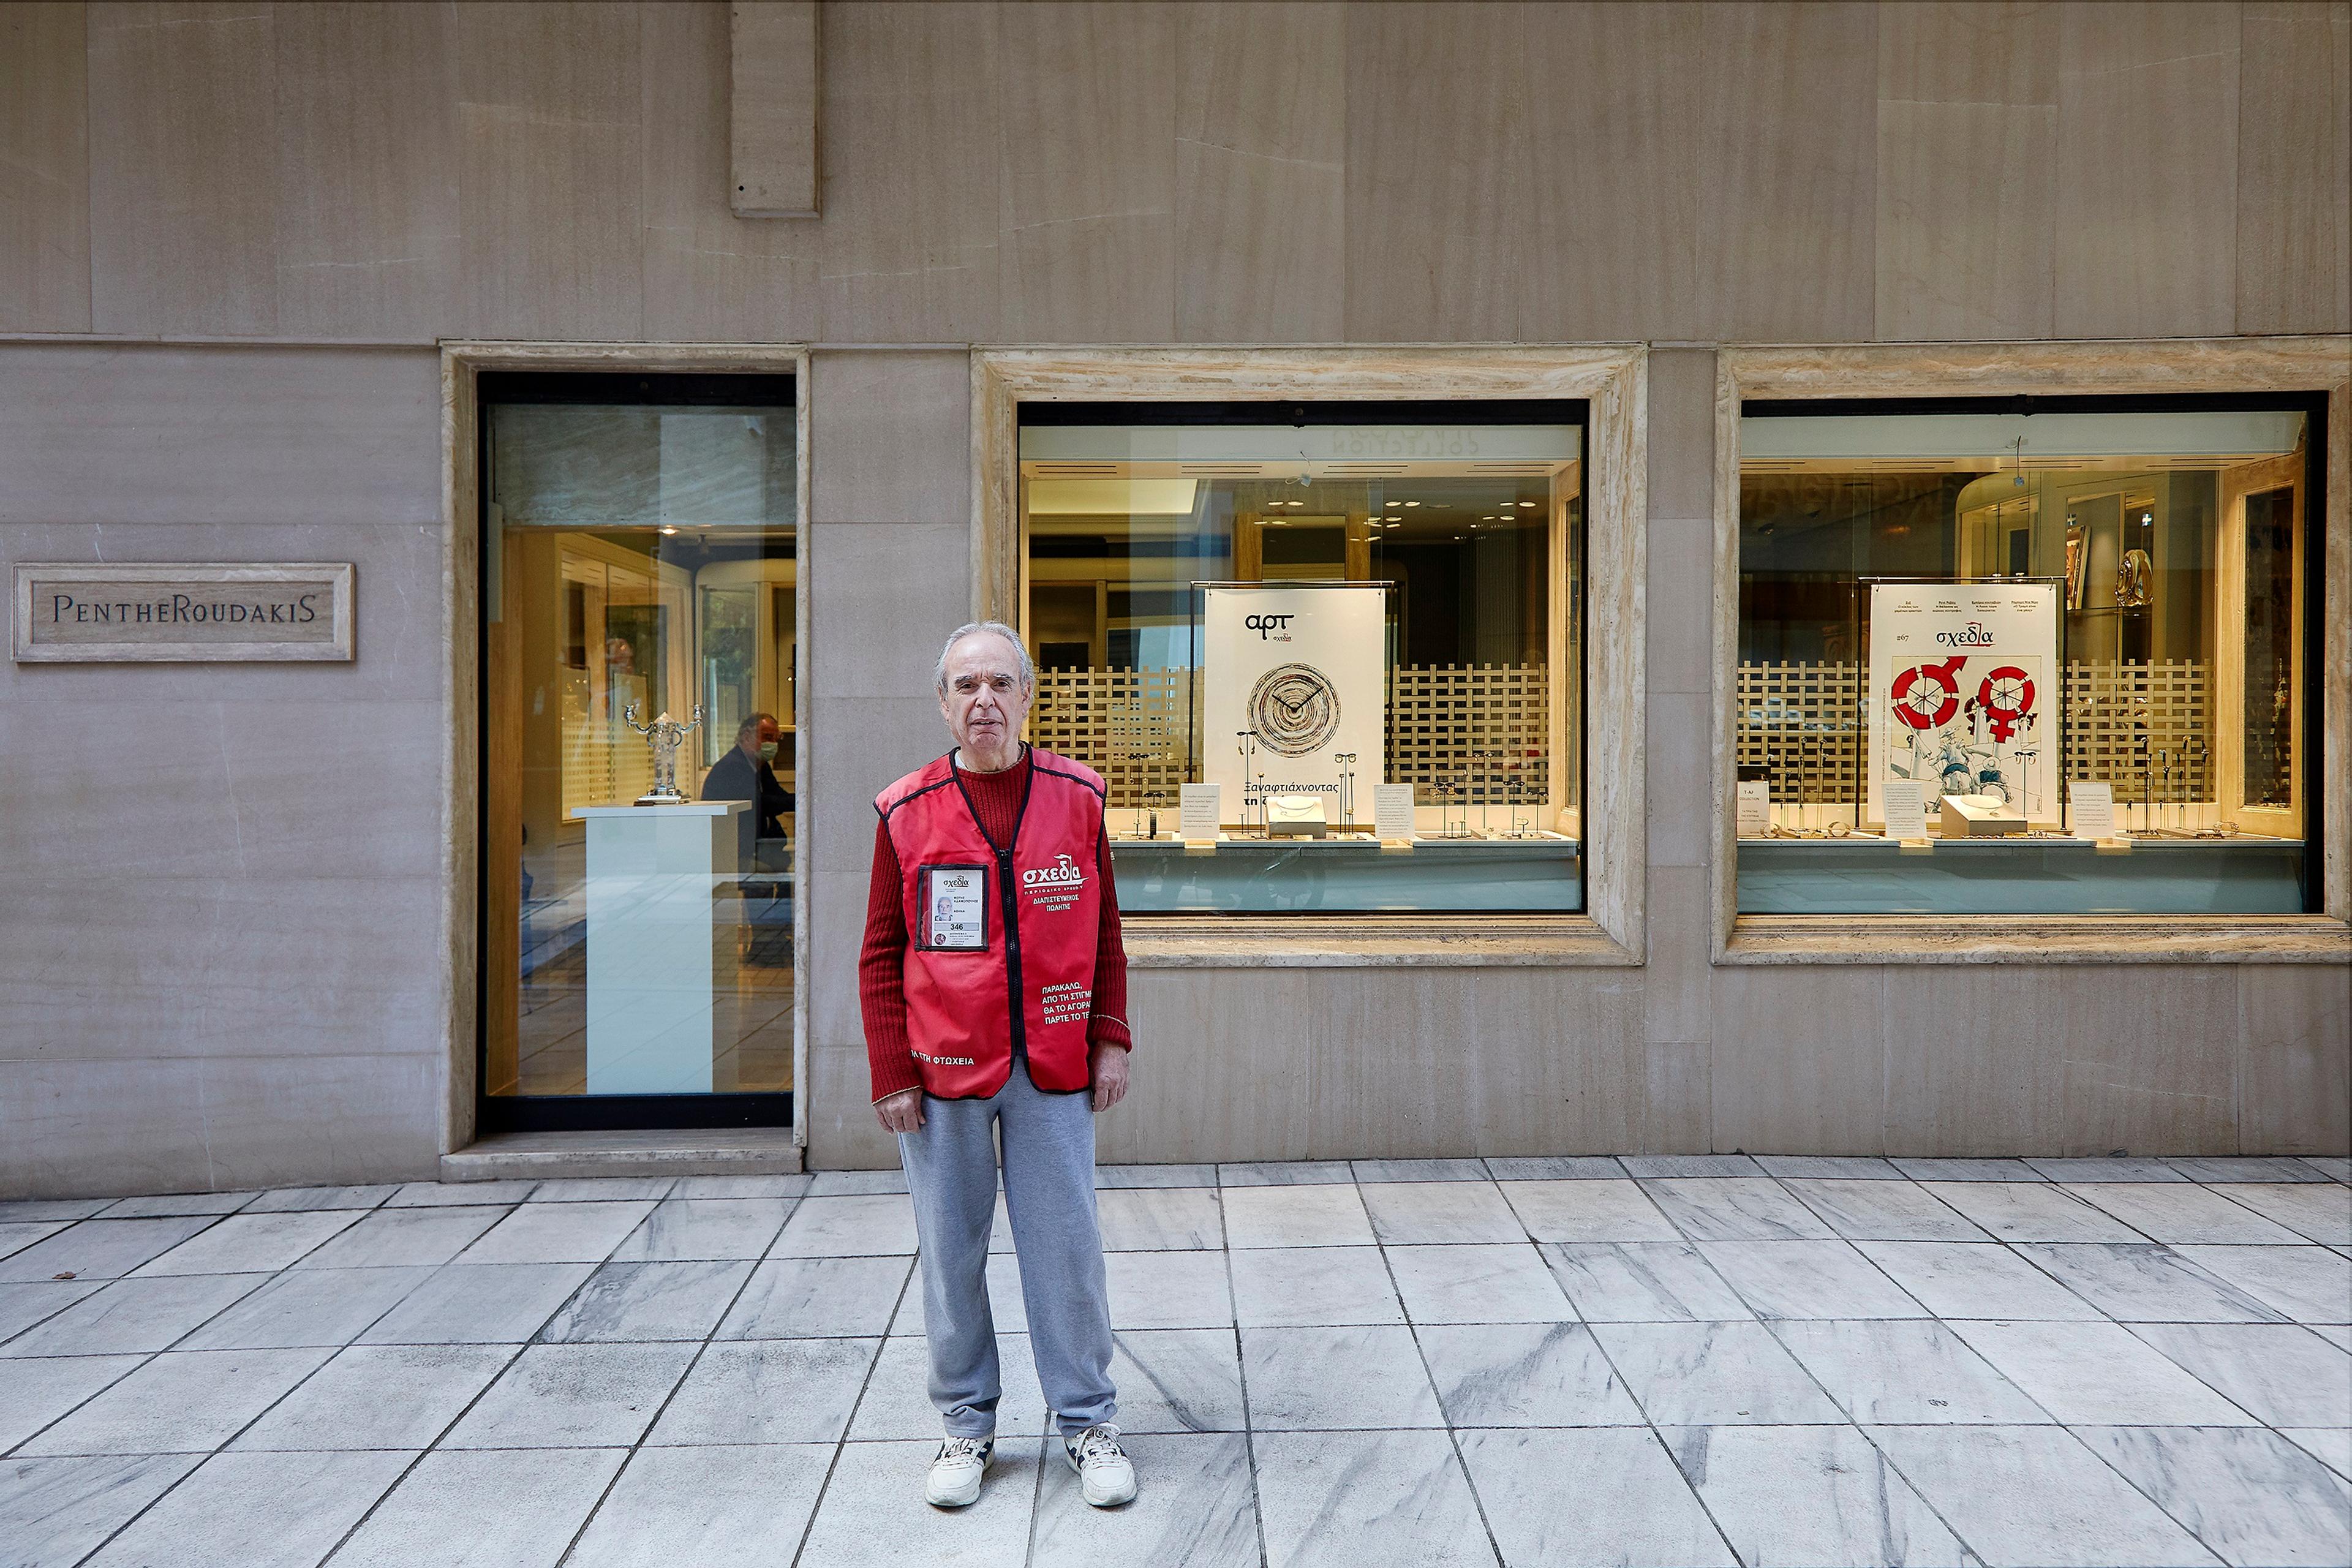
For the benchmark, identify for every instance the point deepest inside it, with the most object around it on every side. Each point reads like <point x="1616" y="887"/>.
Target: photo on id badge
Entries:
<point x="955" y="909"/>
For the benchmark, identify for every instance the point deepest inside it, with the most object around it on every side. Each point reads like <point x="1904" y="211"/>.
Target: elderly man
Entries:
<point x="993" y="985"/>
<point x="748" y="773"/>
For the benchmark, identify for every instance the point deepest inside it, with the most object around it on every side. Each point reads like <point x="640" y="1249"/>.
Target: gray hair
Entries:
<point x="998" y="628"/>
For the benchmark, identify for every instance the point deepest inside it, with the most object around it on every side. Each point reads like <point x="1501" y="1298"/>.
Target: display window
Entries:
<point x="2054" y="657"/>
<point x="1326" y="657"/>
<point x="639" y="779"/>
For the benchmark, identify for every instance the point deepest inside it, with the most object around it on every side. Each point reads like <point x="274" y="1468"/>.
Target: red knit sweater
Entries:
<point x="882" y="964"/>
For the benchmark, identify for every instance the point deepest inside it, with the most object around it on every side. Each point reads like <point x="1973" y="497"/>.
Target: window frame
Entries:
<point x="465" y="1115"/>
<point x="1613" y="381"/>
<point x="1898" y="378"/>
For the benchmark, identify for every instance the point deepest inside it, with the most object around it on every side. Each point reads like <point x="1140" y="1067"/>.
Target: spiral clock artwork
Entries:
<point x="1295" y="710"/>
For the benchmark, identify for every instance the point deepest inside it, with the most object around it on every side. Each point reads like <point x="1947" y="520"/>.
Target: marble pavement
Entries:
<point x="1678" y="1361"/>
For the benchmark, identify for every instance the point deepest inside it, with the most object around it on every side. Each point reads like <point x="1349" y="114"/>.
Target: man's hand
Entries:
<point x="903" y="1112"/>
<point x="1110" y="1075"/>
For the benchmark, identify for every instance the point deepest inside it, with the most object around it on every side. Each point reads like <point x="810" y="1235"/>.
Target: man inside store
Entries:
<point x="748" y="773"/>
<point x="995" y="991"/>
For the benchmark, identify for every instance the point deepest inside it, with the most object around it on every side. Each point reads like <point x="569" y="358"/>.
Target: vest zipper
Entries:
<point x="1013" y="959"/>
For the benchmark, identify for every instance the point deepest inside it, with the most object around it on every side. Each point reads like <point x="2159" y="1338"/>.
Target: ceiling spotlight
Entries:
<point x="1529" y="504"/>
<point x="668" y="528"/>
<point x="1412" y="504"/>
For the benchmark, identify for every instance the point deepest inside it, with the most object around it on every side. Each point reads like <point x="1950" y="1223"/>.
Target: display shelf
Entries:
<point x="1348" y="872"/>
<point x="2245" y="875"/>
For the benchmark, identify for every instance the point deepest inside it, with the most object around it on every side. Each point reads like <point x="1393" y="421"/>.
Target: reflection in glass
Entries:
<point x="637" y="557"/>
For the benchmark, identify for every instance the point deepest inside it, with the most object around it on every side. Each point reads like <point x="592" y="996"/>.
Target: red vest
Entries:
<point x="999" y="943"/>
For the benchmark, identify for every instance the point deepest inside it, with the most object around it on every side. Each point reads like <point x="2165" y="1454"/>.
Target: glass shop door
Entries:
<point x="639" y="779"/>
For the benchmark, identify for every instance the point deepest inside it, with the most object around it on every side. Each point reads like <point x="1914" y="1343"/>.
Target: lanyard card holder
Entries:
<point x="954" y="917"/>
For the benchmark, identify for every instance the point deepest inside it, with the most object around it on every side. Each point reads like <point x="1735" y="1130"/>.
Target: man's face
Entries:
<point x="985" y="704"/>
<point x="766" y="733"/>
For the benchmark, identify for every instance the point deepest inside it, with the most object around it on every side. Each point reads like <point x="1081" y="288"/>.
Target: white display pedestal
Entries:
<point x="651" y="870"/>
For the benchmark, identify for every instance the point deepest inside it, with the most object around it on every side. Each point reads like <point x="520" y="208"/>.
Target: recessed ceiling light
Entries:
<point x="1529" y="504"/>
<point x="666" y="529"/>
<point x="1412" y="504"/>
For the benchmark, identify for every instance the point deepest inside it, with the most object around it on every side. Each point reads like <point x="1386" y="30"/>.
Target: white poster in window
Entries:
<point x="1197" y="823"/>
<point x="1963" y="693"/>
<point x="1294" y="691"/>
<point x="1392" y="813"/>
<point x="2095" y="808"/>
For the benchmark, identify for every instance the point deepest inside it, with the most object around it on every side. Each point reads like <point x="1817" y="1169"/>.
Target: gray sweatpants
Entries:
<point x="1049" y="1193"/>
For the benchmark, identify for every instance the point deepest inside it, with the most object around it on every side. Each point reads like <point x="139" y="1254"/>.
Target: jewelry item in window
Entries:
<point x="665" y="735"/>
<point x="1839" y="829"/>
<point x="2131" y="580"/>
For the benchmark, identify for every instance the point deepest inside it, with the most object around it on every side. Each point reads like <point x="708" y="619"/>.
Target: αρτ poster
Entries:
<point x="1304" y="671"/>
<point x="1963" y="679"/>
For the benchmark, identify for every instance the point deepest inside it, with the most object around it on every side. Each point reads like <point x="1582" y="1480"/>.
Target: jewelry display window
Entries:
<point x="1325" y="656"/>
<point x="2047" y="659"/>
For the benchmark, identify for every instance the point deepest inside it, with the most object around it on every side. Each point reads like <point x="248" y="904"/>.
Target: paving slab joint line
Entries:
<point x="1453" y="1437"/>
<point x="840" y="1444"/>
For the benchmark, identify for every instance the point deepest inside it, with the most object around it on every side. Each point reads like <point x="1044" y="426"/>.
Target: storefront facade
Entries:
<point x="1530" y="428"/>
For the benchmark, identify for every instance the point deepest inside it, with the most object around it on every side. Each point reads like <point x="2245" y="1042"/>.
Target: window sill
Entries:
<point x="1345" y="941"/>
<point x="2037" y="939"/>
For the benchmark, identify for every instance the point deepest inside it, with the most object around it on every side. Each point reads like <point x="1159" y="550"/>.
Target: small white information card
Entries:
<point x="1905" y="802"/>
<point x="2094" y="809"/>
<point x="1755" y="807"/>
<point x="1392" y="812"/>
<point x="1198" y="811"/>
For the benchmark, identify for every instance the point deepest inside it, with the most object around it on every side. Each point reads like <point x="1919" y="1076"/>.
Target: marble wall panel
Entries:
<point x="1679" y="1109"/>
<point x="2294" y="168"/>
<point x="1967" y="127"/>
<point x="114" y="964"/>
<point x="709" y="276"/>
<point x="2294" y="1069"/>
<point x="891" y="438"/>
<point x="1679" y="993"/>
<point x="1974" y="1062"/>
<point x="1678" y="756"/>
<point x="182" y="169"/>
<point x="253" y="790"/>
<point x="1261" y="240"/>
<point x="2150" y="1060"/>
<point x="44" y="168"/>
<point x="1680" y="651"/>
<point x="550" y="209"/>
<point x="1799" y="1059"/>
<point x="187" y="435"/>
<point x="1682" y="433"/>
<point x="1199" y="1037"/>
<point x="1613" y="221"/>
<point x="2148" y="170"/>
<point x="908" y="250"/>
<point x="88" y="1127"/>
<point x="895" y="590"/>
<point x="1786" y="95"/>
<point x="892" y="736"/>
<point x="1441" y="179"/>
<point x="842" y="1134"/>
<point x="835" y="910"/>
<point x="1089" y="112"/>
<point x="1551" y="1060"/>
<point x="366" y="169"/>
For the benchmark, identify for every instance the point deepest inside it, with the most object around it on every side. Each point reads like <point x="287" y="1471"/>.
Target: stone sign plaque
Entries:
<point x="170" y="612"/>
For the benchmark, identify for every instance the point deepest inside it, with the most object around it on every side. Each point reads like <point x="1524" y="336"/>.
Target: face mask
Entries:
<point x="767" y="751"/>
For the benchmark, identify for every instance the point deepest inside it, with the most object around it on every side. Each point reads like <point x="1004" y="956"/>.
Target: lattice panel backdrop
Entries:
<point x="1481" y="729"/>
<point x="1798" y="719"/>
<point x="1132" y="726"/>
<point x="2104" y="706"/>
<point x="1456" y="726"/>
<point x="1803" y="721"/>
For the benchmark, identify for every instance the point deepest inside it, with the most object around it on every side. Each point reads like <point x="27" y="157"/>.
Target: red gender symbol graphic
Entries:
<point x="2006" y="696"/>
<point x="1938" y="699"/>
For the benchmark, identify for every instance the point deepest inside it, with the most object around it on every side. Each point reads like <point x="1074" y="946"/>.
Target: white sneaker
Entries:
<point x="1105" y="1477"/>
<point x="955" y="1474"/>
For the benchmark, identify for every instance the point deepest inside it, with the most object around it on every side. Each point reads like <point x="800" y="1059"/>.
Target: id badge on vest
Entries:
<point x="955" y="909"/>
